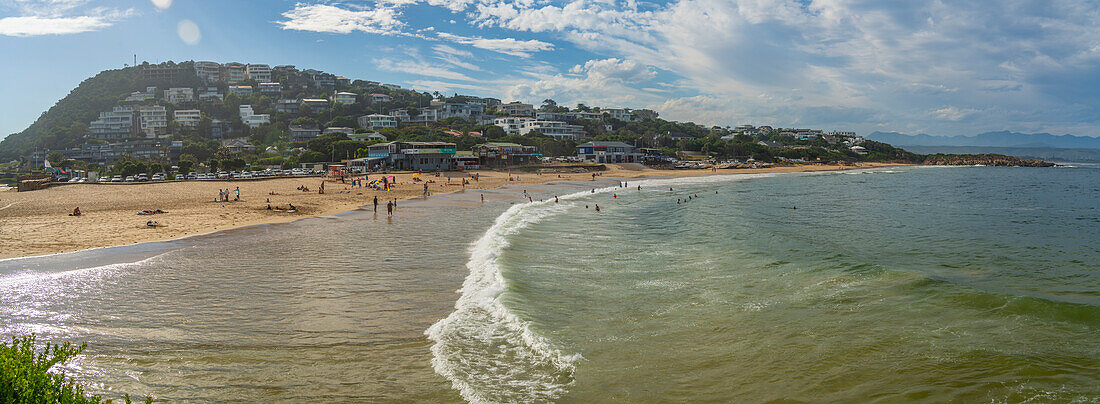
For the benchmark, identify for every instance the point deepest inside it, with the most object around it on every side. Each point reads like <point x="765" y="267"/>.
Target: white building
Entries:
<point x="153" y="120"/>
<point x="148" y="94"/>
<point x="377" y="98"/>
<point x="594" y="116"/>
<point x="177" y="95"/>
<point x="622" y="114"/>
<point x="555" y="129"/>
<point x="454" y="109"/>
<point x="252" y="119"/>
<point x="209" y="94"/>
<point x="259" y="73"/>
<point x="208" y="71"/>
<point x="377" y="121"/>
<point x="516" y="108"/>
<point x="337" y="129"/>
<point x="235" y="72"/>
<point x="271" y="88"/>
<point x="187" y="117"/>
<point x="512" y="124"/>
<point x="344" y="97"/>
<point x="243" y="91"/>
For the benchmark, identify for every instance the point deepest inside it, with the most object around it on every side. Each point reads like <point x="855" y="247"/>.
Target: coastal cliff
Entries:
<point x="982" y="159"/>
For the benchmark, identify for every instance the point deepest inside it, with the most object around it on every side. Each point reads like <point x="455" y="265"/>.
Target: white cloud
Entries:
<point x="335" y="19"/>
<point x="421" y="69"/>
<point x="33" y="26"/>
<point x="188" y="32"/>
<point x="953" y="113"/>
<point x="596" y="82"/>
<point x="162" y="4"/>
<point x="54" y="17"/>
<point x="455" y="57"/>
<point x="508" y="46"/>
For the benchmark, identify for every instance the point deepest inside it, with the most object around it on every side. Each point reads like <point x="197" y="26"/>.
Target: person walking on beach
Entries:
<point x="376" y="203"/>
<point x="597" y="207"/>
<point x="425" y="189"/>
<point x="237" y="194"/>
<point x="389" y="208"/>
<point x="322" y="189"/>
<point x="482" y="198"/>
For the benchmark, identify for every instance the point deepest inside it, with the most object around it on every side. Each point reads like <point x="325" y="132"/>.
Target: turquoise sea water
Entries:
<point x="909" y="284"/>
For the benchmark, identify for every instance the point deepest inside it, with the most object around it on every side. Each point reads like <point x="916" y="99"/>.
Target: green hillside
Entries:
<point x="65" y="124"/>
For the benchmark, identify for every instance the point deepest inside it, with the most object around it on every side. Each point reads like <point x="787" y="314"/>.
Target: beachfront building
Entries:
<point x="497" y="154"/>
<point x="187" y="117"/>
<point x="555" y="129"/>
<point x="106" y="153"/>
<point x="287" y="105"/>
<point x="271" y="88"/>
<point x="240" y="90"/>
<point x="113" y="125"/>
<point x="427" y="156"/>
<point x="258" y="73"/>
<point x="315" y="104"/>
<point x="516" y="108"/>
<point x="511" y="124"/>
<point x="608" y="152"/>
<point x="377" y="121"/>
<point x="377" y="98"/>
<point x="252" y="119"/>
<point x="344" y="97"/>
<point x="153" y="120"/>
<point x="303" y="133"/>
<point x="860" y="150"/>
<point x="177" y="95"/>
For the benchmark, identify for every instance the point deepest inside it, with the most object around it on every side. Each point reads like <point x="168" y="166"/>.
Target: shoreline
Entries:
<point x="36" y="223"/>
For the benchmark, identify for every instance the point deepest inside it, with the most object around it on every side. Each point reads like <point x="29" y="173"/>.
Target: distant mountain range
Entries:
<point x="991" y="139"/>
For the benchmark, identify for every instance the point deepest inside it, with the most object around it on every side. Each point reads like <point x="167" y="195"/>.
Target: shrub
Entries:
<point x="25" y="375"/>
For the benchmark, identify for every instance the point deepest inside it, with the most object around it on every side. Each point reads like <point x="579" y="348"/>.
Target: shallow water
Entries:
<point x="322" y="308"/>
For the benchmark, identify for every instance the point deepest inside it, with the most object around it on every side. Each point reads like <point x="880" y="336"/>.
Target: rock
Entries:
<point x="982" y="159"/>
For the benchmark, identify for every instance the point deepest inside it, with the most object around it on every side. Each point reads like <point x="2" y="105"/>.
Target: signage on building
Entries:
<point x="429" y="151"/>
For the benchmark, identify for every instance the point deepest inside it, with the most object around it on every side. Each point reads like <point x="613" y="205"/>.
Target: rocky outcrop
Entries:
<point x="982" y="159"/>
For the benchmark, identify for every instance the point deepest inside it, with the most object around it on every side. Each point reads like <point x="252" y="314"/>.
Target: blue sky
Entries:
<point x="917" y="66"/>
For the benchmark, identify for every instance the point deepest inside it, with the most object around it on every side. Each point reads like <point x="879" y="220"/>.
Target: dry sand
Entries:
<point x="37" y="222"/>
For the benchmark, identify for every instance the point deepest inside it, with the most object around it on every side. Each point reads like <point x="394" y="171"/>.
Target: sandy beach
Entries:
<point x="38" y="222"/>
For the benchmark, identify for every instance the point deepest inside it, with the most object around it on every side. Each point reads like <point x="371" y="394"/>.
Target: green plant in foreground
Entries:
<point x="25" y="376"/>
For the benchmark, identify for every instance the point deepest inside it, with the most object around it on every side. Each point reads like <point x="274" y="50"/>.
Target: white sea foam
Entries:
<point x="487" y="352"/>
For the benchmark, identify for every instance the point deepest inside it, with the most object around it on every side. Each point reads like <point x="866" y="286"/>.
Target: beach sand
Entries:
<point x="37" y="222"/>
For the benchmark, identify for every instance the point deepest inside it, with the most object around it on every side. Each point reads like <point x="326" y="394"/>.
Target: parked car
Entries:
<point x="129" y="178"/>
<point x="191" y="176"/>
<point x="117" y="178"/>
<point x="157" y="177"/>
<point x="222" y="175"/>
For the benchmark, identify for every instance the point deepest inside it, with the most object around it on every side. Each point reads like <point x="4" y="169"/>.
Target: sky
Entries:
<point x="955" y="67"/>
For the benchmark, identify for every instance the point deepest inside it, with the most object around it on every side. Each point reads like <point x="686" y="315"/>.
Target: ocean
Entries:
<point x="899" y="284"/>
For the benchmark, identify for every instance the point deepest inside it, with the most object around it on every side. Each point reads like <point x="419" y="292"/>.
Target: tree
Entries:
<point x="55" y="158"/>
<point x="185" y="166"/>
<point x="549" y="105"/>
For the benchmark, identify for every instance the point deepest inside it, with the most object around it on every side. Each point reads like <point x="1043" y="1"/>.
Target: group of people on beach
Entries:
<point x="223" y="195"/>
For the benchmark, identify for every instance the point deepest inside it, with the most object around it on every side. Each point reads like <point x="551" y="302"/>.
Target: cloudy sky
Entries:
<point x="915" y="66"/>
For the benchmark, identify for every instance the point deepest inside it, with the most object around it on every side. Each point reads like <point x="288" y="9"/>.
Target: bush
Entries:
<point x="25" y="376"/>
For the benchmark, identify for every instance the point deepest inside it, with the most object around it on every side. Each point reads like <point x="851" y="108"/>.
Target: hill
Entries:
<point x="991" y="139"/>
<point x="66" y="123"/>
<point x="1040" y="153"/>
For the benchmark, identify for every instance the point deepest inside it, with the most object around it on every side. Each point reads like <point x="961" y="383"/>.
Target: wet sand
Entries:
<point x="37" y="222"/>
